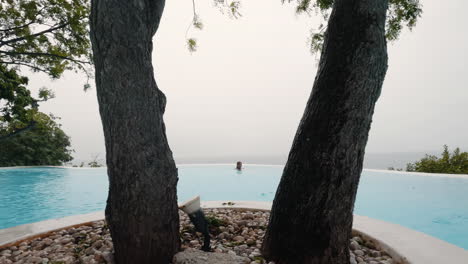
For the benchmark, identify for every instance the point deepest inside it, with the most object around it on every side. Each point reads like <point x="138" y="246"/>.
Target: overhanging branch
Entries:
<point x="26" y="65"/>
<point x="39" y="54"/>
<point x="35" y="34"/>
<point x="31" y="125"/>
<point x="17" y="27"/>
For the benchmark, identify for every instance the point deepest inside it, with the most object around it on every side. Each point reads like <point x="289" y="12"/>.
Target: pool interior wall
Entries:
<point x="434" y="205"/>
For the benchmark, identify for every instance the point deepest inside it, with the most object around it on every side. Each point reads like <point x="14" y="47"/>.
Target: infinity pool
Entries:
<point x="437" y="206"/>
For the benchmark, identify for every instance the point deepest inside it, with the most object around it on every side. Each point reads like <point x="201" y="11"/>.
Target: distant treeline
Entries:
<point x="453" y="163"/>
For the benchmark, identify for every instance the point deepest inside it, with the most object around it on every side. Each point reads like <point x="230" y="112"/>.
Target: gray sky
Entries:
<point x="244" y="91"/>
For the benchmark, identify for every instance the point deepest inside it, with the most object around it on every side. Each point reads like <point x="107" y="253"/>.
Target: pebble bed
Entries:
<point x="233" y="232"/>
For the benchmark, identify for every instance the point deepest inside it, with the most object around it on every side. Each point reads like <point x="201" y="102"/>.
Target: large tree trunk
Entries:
<point x="312" y="213"/>
<point x="142" y="205"/>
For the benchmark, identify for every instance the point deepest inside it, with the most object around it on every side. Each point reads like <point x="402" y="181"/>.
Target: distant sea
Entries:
<point x="397" y="160"/>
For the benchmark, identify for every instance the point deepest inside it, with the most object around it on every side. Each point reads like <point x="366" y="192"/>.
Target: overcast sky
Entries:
<point x="244" y="91"/>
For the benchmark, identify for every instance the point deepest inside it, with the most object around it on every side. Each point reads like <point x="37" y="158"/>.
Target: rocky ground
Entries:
<point x="234" y="233"/>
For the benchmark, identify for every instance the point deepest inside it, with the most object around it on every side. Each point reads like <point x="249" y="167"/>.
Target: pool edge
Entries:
<point x="422" y="174"/>
<point x="13" y="235"/>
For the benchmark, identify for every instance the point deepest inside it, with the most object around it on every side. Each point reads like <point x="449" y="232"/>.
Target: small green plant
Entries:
<point x="188" y="229"/>
<point x="80" y="239"/>
<point x="230" y="244"/>
<point x="77" y="250"/>
<point x="216" y="222"/>
<point x="259" y="259"/>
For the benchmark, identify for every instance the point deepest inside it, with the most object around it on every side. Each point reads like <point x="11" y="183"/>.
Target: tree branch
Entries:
<point x="27" y="65"/>
<point x="193" y="18"/>
<point x="18" y="27"/>
<point x="37" y="54"/>
<point x="35" y="34"/>
<point x="25" y="25"/>
<point x="31" y="125"/>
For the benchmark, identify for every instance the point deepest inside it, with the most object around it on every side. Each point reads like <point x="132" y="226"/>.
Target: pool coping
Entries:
<point x="402" y="244"/>
<point x="17" y="234"/>
<point x="442" y="175"/>
<point x="425" y="174"/>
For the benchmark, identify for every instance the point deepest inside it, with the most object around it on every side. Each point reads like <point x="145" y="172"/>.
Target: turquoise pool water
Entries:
<point x="437" y="206"/>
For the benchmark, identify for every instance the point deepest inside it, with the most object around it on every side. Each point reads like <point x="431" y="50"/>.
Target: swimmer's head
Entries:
<point x="239" y="165"/>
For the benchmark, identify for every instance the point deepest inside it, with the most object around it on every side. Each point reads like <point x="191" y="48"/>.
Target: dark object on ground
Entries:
<point x="193" y="209"/>
<point x="201" y="225"/>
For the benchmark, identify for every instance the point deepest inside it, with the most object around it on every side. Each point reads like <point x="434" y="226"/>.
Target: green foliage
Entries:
<point x="192" y="44"/>
<point x="45" y="94"/>
<point x="16" y="102"/>
<point x="400" y="13"/>
<point x="44" y="144"/>
<point x="49" y="36"/>
<point x="15" y="98"/>
<point x="316" y="41"/>
<point x="455" y="163"/>
<point x="230" y="8"/>
<point x="302" y="6"/>
<point x="93" y="163"/>
<point x="197" y="22"/>
<point x="234" y="8"/>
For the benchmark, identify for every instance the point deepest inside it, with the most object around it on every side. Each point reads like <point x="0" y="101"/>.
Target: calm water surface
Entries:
<point x="437" y="206"/>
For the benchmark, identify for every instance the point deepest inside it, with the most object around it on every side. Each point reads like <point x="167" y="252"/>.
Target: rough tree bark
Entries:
<point x="311" y="218"/>
<point x="142" y="205"/>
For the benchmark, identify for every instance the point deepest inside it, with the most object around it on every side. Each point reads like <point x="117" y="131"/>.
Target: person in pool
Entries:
<point x="239" y="165"/>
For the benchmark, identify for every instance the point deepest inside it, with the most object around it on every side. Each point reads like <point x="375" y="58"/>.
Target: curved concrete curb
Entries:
<point x="416" y="247"/>
<point x="402" y="244"/>
<point x="425" y="174"/>
<point x="14" y="235"/>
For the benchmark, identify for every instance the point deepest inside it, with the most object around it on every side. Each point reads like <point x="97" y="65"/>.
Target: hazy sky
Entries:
<point x="244" y="91"/>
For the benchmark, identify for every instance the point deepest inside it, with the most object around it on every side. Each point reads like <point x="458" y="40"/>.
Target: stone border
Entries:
<point x="402" y="244"/>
